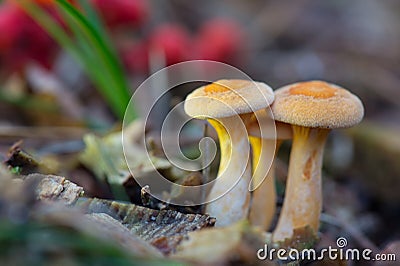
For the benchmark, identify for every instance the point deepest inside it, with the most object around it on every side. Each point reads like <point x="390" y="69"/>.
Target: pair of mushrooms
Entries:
<point x="304" y="111"/>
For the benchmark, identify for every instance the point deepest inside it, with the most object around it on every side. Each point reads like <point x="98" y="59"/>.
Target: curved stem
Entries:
<point x="234" y="205"/>
<point x="303" y="196"/>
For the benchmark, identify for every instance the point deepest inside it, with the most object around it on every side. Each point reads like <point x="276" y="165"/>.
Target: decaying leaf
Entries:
<point x="99" y="225"/>
<point x="164" y="229"/>
<point x="111" y="228"/>
<point x="149" y="201"/>
<point x="56" y="188"/>
<point x="192" y="179"/>
<point x="39" y="227"/>
<point x="105" y="156"/>
<point x="22" y="162"/>
<point x="302" y="238"/>
<point x="220" y="246"/>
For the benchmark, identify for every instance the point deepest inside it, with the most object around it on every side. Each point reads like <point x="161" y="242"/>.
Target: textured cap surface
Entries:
<point x="225" y="98"/>
<point x="317" y="104"/>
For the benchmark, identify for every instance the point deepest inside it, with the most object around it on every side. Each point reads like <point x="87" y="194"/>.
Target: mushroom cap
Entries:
<point x="228" y="97"/>
<point x="264" y="126"/>
<point x="317" y="104"/>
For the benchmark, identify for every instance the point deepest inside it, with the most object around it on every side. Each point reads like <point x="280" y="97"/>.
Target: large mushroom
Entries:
<point x="229" y="106"/>
<point x="265" y="136"/>
<point x="312" y="108"/>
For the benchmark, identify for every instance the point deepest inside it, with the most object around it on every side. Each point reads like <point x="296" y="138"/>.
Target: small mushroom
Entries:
<point x="312" y="108"/>
<point x="229" y="106"/>
<point x="265" y="136"/>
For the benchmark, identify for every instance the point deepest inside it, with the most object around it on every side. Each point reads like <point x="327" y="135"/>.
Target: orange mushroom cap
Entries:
<point x="224" y="98"/>
<point x="317" y="104"/>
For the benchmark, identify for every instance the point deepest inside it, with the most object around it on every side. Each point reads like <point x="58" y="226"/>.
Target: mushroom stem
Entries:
<point x="263" y="204"/>
<point x="303" y="196"/>
<point x="234" y="145"/>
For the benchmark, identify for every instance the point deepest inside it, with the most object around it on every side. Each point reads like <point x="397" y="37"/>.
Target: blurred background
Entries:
<point x="353" y="44"/>
<point x="53" y="91"/>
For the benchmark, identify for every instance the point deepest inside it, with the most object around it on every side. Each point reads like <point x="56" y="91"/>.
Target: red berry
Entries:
<point x="9" y="26"/>
<point x="170" y="40"/>
<point x="136" y="58"/>
<point x="24" y="40"/>
<point x="173" y="41"/>
<point x="220" y="40"/>
<point x="123" y="12"/>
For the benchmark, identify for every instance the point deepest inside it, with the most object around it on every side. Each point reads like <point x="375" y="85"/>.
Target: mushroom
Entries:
<point x="265" y="136"/>
<point x="229" y="106"/>
<point x="312" y="108"/>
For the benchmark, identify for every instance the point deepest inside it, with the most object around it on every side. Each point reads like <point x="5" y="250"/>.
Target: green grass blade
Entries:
<point x="47" y="22"/>
<point x="95" y="19"/>
<point x="90" y="46"/>
<point x="89" y="57"/>
<point x="118" y="82"/>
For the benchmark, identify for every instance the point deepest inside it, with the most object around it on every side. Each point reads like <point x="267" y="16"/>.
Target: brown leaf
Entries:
<point x="163" y="228"/>
<point x="56" y="188"/>
<point x="225" y="245"/>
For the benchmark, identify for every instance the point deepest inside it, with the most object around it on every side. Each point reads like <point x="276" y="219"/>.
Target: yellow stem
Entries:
<point x="263" y="204"/>
<point x="234" y="172"/>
